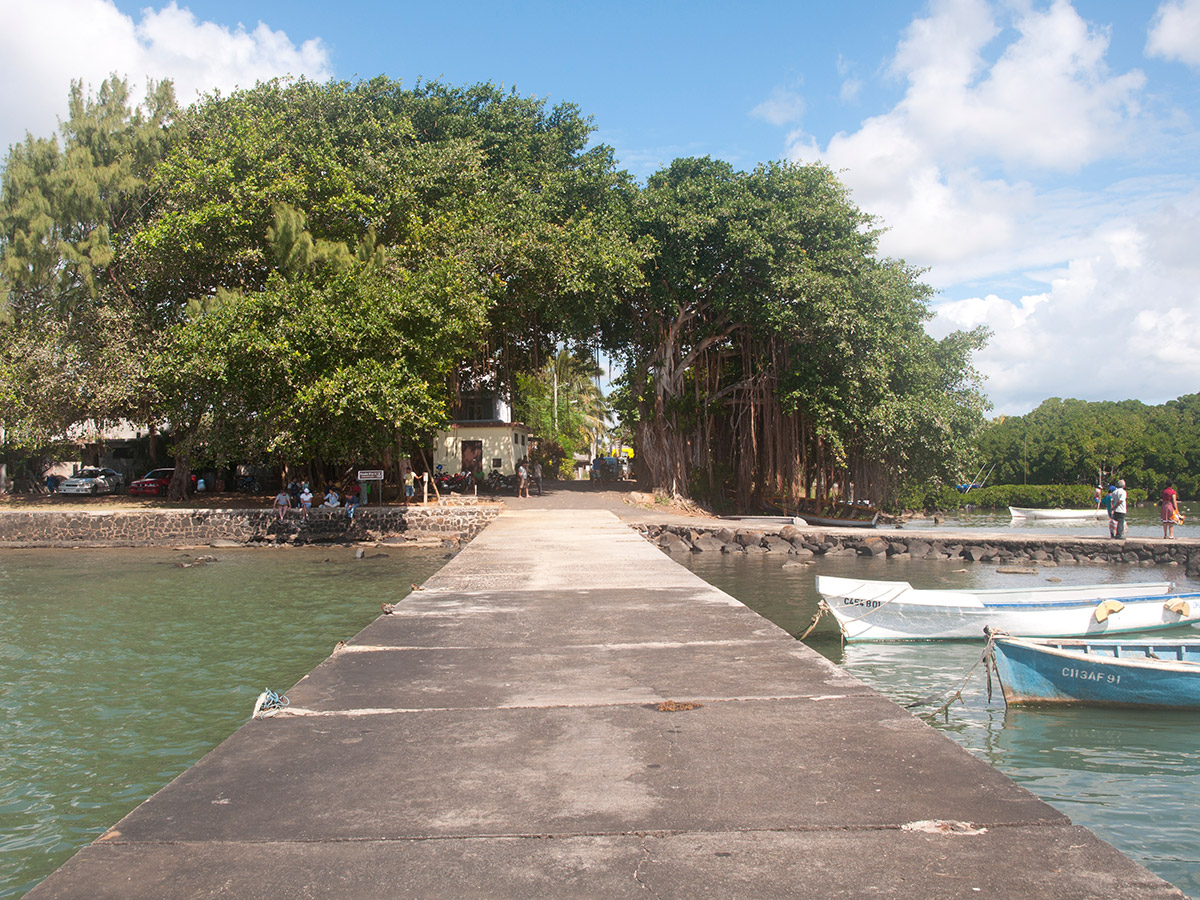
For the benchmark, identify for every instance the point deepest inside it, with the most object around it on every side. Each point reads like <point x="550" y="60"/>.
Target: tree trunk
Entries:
<point x="181" y="481"/>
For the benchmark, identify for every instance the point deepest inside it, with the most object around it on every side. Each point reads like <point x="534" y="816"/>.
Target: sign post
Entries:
<point x="365" y="477"/>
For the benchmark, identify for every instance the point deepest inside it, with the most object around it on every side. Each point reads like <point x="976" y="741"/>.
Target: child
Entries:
<point x="1106" y="505"/>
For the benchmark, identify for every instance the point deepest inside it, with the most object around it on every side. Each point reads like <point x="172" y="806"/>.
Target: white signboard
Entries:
<point x="370" y="474"/>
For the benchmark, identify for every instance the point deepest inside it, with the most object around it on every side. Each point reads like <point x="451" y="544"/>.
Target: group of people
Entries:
<point x="1115" y="503"/>
<point x="298" y="495"/>
<point x="527" y="473"/>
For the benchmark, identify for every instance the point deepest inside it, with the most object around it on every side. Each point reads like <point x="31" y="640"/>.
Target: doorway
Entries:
<point x="472" y="456"/>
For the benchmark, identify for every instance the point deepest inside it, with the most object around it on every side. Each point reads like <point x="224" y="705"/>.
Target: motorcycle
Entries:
<point x="459" y="482"/>
<point x="248" y="484"/>
<point x="497" y="483"/>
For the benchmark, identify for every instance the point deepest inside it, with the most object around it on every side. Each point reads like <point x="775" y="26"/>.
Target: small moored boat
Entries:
<point x="1158" y="674"/>
<point x="829" y="514"/>
<point x="1023" y="512"/>
<point x="868" y="610"/>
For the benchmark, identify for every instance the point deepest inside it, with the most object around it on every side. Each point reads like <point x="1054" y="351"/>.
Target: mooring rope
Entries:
<point x="268" y="702"/>
<point x="987" y="658"/>
<point x="822" y="608"/>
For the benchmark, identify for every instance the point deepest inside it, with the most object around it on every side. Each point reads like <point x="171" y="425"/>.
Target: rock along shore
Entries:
<point x="449" y="520"/>
<point x="1017" y="551"/>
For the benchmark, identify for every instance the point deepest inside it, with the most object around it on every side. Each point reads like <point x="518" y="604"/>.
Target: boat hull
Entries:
<point x="1021" y="512"/>
<point x="826" y="522"/>
<point x="894" y="611"/>
<point x="1150" y="674"/>
<point x="853" y="516"/>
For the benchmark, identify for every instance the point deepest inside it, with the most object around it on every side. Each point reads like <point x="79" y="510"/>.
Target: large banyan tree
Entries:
<point x="306" y="271"/>
<point x="772" y="353"/>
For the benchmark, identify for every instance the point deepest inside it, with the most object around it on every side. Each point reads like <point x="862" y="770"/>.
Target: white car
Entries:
<point x="92" y="481"/>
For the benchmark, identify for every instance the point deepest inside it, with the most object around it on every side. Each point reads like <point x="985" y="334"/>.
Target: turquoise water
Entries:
<point x="1142" y="522"/>
<point x="119" y="669"/>
<point x="1132" y="776"/>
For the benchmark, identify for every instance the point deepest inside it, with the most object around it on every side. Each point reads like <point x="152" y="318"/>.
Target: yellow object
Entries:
<point x="1107" y="608"/>
<point x="1181" y="607"/>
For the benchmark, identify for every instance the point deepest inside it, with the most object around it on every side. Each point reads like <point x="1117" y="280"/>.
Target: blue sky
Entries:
<point x="1038" y="159"/>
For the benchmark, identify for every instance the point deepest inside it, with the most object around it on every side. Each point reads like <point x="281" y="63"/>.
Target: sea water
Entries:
<point x="1131" y="776"/>
<point x="119" y="669"/>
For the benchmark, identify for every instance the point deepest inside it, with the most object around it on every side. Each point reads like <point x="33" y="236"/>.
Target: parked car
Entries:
<point x="153" y="483"/>
<point x="92" y="481"/>
<point x="615" y="468"/>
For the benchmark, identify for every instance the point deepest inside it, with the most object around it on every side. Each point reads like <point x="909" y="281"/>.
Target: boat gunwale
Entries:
<point x="1047" y="646"/>
<point x="1057" y="512"/>
<point x="982" y="594"/>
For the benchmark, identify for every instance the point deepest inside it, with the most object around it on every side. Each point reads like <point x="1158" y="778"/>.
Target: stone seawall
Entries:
<point x="1037" y="550"/>
<point x="165" y="527"/>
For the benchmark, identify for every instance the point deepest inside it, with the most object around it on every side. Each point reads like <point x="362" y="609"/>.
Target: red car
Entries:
<point x="155" y="482"/>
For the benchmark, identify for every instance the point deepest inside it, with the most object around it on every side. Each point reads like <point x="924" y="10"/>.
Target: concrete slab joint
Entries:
<point x="565" y="711"/>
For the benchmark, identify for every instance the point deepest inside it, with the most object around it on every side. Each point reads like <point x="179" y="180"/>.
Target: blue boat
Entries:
<point x="1155" y="674"/>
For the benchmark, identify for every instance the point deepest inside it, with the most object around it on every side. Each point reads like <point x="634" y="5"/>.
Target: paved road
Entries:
<point x="503" y="735"/>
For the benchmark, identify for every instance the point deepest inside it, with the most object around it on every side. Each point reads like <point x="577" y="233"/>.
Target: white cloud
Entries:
<point x="852" y="85"/>
<point x="1175" y="33"/>
<point x="1123" y="322"/>
<point x="938" y="165"/>
<point x="783" y="107"/>
<point x="44" y="45"/>
<point x="1005" y="104"/>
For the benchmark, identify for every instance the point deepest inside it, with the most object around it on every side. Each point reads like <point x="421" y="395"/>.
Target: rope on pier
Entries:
<point x="822" y="608"/>
<point x="949" y="697"/>
<point x="269" y="703"/>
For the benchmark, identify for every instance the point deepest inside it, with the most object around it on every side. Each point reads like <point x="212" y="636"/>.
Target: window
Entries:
<point x="477" y="407"/>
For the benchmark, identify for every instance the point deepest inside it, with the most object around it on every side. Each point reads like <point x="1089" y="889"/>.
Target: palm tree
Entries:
<point x="573" y="380"/>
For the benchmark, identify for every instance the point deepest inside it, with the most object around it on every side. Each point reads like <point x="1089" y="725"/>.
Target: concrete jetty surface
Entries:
<point x="501" y="735"/>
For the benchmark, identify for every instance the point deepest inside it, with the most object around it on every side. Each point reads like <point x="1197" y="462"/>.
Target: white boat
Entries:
<point x="1023" y="512"/>
<point x="868" y="610"/>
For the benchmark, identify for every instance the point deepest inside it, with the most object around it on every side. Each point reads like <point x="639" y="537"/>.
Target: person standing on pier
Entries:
<point x="1170" y="509"/>
<point x="1119" y="507"/>
<point x="1106" y="504"/>
<point x="522" y="478"/>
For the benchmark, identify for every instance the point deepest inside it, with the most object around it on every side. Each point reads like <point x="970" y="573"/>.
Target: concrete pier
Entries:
<point x="507" y="732"/>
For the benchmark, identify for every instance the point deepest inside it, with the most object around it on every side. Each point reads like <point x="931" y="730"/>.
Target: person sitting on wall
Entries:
<point x="331" y="499"/>
<point x="282" y="503"/>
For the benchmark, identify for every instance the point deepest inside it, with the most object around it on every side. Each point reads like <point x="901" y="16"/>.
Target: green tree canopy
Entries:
<point x="1082" y="442"/>
<point x="771" y="352"/>
<point x="304" y="271"/>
